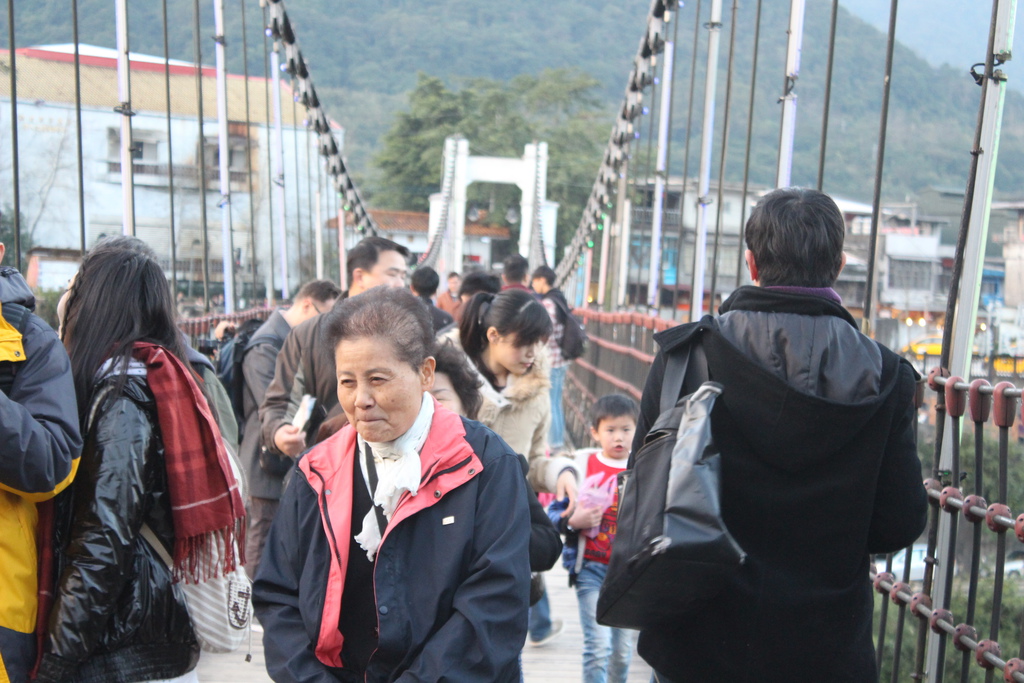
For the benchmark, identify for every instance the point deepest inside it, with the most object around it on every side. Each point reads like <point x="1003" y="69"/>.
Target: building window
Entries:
<point x="145" y="145"/>
<point x="906" y="274"/>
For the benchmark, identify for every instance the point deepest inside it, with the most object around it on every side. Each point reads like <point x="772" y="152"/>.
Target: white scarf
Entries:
<point x="398" y="470"/>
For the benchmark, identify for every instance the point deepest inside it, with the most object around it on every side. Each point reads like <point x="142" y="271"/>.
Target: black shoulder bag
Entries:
<point x="671" y="547"/>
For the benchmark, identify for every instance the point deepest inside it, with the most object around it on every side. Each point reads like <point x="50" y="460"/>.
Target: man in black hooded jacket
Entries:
<point x="819" y="462"/>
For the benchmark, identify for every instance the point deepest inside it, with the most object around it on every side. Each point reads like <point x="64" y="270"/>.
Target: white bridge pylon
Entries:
<point x="529" y="173"/>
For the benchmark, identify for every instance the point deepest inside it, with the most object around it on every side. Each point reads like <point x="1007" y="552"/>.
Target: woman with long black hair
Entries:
<point x="153" y="458"/>
<point x="504" y="337"/>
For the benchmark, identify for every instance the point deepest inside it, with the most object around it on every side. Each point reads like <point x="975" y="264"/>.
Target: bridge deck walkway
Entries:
<point x="557" y="662"/>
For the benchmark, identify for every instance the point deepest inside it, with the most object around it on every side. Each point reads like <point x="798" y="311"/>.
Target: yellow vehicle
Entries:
<point x="928" y="346"/>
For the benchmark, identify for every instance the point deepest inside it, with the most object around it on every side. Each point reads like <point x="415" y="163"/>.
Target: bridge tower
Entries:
<point x="448" y="207"/>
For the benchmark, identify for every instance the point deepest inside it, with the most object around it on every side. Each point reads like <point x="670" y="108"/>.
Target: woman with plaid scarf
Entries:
<point x="153" y="457"/>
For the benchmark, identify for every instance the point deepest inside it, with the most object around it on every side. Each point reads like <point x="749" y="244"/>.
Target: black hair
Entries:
<point x="425" y="281"/>
<point x="452" y="362"/>
<point x="366" y="254"/>
<point x="516" y="267"/>
<point x="318" y="290"/>
<point x="479" y="281"/>
<point x="249" y="326"/>
<point x="453" y="274"/>
<point x="511" y="312"/>
<point x="796" y="236"/>
<point x="612" y="406"/>
<point x="389" y="313"/>
<point x="120" y="296"/>
<point x="545" y="272"/>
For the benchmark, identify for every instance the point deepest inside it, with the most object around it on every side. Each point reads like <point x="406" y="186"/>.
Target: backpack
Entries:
<point x="672" y="549"/>
<point x="229" y="364"/>
<point x="17" y="316"/>
<point x="574" y="336"/>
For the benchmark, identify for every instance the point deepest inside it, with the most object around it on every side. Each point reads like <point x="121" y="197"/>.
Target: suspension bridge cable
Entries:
<point x="294" y="64"/>
<point x="876" y="199"/>
<point x="537" y="256"/>
<point x="320" y="200"/>
<point x="433" y="252"/>
<point x="686" y="161"/>
<point x="78" y="127"/>
<point x="828" y="93"/>
<point x="668" y="146"/>
<point x="270" y="162"/>
<point x="170" y="151"/>
<point x="722" y="159"/>
<point x="309" y="202"/>
<point x="648" y="191"/>
<point x="298" y="194"/>
<point x="201" y="156"/>
<point x="746" y="155"/>
<point x="706" y="144"/>
<point x="620" y="141"/>
<point x="248" y="156"/>
<point x="124" y="108"/>
<point x="635" y="194"/>
<point x="227" y="240"/>
<point x="16" y="222"/>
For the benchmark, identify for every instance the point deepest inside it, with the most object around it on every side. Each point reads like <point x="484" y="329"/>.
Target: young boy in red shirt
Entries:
<point x="590" y="534"/>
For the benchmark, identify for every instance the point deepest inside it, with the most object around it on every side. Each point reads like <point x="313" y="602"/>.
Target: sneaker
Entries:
<point x="557" y="626"/>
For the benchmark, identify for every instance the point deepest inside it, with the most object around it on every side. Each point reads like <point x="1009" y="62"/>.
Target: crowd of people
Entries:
<point x="379" y="461"/>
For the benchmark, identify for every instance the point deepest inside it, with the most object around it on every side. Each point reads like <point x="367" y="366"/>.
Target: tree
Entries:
<point x="559" y="106"/>
<point x="7" y="236"/>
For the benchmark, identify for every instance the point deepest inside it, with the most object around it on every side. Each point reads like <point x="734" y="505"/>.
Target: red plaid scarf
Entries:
<point x="206" y="505"/>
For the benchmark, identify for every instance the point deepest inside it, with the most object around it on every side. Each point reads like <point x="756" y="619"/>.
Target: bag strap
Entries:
<point x="150" y="536"/>
<point x="688" y="370"/>
<point x="562" y="307"/>
<point x="371" y="473"/>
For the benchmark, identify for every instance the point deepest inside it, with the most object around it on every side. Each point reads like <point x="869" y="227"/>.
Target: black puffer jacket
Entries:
<point x="117" y="616"/>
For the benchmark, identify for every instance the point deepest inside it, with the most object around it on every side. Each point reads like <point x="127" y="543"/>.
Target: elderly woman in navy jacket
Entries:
<point x="400" y="550"/>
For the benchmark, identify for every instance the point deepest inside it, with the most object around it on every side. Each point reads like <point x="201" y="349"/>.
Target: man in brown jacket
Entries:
<point x="306" y="366"/>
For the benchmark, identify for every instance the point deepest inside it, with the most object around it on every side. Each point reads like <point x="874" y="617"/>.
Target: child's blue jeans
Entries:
<point x="606" y="651"/>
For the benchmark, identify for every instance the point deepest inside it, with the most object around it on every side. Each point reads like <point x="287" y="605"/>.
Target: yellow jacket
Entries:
<point x="39" y="433"/>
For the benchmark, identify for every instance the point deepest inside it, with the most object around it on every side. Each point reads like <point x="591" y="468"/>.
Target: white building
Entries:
<point x="48" y="175"/>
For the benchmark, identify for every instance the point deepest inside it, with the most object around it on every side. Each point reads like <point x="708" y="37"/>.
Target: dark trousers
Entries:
<point x="261" y="514"/>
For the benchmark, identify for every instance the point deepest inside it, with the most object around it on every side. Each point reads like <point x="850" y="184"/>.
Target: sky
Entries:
<point x="951" y="32"/>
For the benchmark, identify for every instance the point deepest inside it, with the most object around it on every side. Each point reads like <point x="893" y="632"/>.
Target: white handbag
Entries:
<point x="220" y="608"/>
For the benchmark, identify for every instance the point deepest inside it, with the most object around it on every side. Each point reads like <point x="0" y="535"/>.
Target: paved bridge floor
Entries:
<point x="560" y="661"/>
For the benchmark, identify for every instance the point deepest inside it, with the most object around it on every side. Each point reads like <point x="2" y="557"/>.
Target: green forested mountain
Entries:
<point x="364" y="56"/>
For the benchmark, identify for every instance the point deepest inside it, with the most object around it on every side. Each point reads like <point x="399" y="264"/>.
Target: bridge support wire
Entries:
<point x="432" y="255"/>
<point x="681" y="233"/>
<point x="201" y="156"/>
<point x="170" y="153"/>
<point x="704" y="182"/>
<point x="723" y="157"/>
<point x="741" y="239"/>
<point x="618" y="148"/>
<point x="279" y="28"/>
<point x="248" y="156"/>
<point x="227" y="247"/>
<point x="876" y="200"/>
<point x="124" y="97"/>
